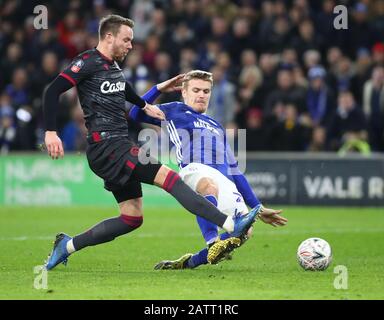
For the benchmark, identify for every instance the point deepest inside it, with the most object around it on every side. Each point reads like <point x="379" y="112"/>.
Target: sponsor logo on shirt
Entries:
<point x="107" y="87"/>
<point x="203" y="124"/>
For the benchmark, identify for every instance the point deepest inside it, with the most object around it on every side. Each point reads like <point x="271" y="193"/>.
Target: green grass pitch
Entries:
<point x="264" y="268"/>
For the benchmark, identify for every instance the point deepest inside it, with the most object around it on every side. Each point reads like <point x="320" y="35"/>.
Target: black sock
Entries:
<point x="191" y="200"/>
<point x="106" y="231"/>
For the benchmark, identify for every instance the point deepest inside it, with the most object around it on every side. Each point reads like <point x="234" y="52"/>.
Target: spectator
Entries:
<point x="18" y="90"/>
<point x="7" y="125"/>
<point x="241" y="40"/>
<point x="74" y="133"/>
<point x="68" y="30"/>
<point x="363" y="70"/>
<point x="318" y="141"/>
<point x="250" y="78"/>
<point x="286" y="91"/>
<point x="378" y="19"/>
<point x="255" y="131"/>
<point x="320" y="101"/>
<point x="44" y="75"/>
<point x="289" y="37"/>
<point x="188" y="59"/>
<point x="341" y="79"/>
<point x="311" y="58"/>
<point x="13" y="59"/>
<point x="195" y="21"/>
<point x="378" y="53"/>
<point x="136" y="72"/>
<point x="373" y="107"/>
<point x="361" y="33"/>
<point x="307" y="39"/>
<point x="151" y="48"/>
<point x="288" y="133"/>
<point x="276" y="38"/>
<point x="220" y="31"/>
<point x="207" y="54"/>
<point x="348" y="122"/>
<point x="26" y="137"/>
<point x="222" y="105"/>
<point x="140" y="13"/>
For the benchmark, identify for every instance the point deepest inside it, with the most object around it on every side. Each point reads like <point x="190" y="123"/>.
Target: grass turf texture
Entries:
<point x="264" y="268"/>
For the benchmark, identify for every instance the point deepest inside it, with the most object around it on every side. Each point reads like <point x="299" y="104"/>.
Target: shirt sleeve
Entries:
<point x="78" y="70"/>
<point x="132" y="97"/>
<point x="51" y="101"/>
<point x="240" y="181"/>
<point x="139" y="115"/>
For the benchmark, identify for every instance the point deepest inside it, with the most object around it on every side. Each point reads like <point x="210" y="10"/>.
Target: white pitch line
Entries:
<point x="275" y="232"/>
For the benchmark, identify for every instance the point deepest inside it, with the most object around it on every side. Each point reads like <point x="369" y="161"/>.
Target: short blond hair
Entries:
<point x="197" y="74"/>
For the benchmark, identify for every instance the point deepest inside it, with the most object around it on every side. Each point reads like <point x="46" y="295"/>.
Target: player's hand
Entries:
<point x="272" y="217"/>
<point x="171" y="85"/>
<point x="153" y="111"/>
<point x="54" y="145"/>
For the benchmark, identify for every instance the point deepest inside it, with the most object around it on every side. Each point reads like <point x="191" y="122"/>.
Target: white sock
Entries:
<point x="229" y="225"/>
<point x="213" y="240"/>
<point x="70" y="246"/>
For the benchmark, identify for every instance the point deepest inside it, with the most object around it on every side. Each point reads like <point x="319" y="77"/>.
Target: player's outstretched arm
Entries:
<point x="171" y="85"/>
<point x="139" y="114"/>
<point x="272" y="217"/>
<point x="148" y="109"/>
<point x="153" y="111"/>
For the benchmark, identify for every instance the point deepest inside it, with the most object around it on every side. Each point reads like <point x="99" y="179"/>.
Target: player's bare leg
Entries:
<point x="171" y="182"/>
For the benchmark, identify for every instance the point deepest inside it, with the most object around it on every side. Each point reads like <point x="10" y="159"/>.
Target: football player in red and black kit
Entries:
<point x="111" y="153"/>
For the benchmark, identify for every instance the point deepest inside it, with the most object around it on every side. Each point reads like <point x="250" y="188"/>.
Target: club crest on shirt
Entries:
<point x="77" y="65"/>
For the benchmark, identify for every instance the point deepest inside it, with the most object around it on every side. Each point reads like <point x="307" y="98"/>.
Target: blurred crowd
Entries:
<point x="281" y="70"/>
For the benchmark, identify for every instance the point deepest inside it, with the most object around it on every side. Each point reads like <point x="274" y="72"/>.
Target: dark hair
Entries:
<point x="112" y="23"/>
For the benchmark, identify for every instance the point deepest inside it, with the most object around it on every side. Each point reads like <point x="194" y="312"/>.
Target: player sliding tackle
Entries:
<point x="111" y="153"/>
<point x="214" y="173"/>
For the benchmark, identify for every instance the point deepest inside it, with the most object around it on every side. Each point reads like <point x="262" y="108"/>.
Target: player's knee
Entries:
<point x="132" y="207"/>
<point x="133" y="222"/>
<point x="207" y="186"/>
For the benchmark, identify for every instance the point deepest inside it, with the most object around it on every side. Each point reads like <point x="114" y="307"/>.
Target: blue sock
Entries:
<point x="208" y="229"/>
<point x="198" y="259"/>
<point x="201" y="257"/>
<point x="224" y="236"/>
<point x="212" y="199"/>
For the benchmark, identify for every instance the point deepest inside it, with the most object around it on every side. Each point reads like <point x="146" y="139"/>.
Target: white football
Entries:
<point x="314" y="254"/>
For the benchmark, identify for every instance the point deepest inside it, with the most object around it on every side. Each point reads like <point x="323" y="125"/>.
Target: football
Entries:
<point x="314" y="254"/>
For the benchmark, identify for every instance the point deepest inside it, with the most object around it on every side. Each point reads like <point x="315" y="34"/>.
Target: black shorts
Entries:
<point x="115" y="160"/>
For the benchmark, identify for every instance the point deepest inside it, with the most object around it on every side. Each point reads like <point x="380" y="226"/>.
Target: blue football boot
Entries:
<point x="59" y="253"/>
<point x="244" y="222"/>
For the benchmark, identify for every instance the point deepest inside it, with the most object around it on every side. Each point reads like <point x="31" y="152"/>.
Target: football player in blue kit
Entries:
<point x="207" y="165"/>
